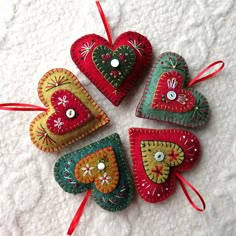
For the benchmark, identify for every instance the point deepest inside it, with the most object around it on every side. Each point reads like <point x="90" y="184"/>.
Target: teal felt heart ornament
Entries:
<point x="99" y="169"/>
<point x="168" y="95"/>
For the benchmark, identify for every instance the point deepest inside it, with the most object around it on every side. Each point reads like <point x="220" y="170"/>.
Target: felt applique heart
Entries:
<point x="99" y="168"/>
<point x="167" y="96"/>
<point x="170" y="95"/>
<point x="158" y="156"/>
<point x="71" y="114"/>
<point x="102" y="167"/>
<point x="113" y="68"/>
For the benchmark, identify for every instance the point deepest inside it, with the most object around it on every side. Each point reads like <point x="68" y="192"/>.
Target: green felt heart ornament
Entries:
<point x="170" y="76"/>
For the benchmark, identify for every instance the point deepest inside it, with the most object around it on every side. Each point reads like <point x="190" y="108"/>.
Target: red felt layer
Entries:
<point x="70" y="112"/>
<point x="172" y="82"/>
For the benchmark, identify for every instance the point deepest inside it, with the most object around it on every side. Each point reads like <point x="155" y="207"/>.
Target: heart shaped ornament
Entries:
<point x="112" y="68"/>
<point x="100" y="167"/>
<point x="167" y="96"/>
<point x="158" y="156"/>
<point x="71" y="112"/>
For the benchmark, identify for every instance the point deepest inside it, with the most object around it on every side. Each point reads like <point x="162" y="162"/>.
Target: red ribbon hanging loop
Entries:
<point x="182" y="182"/>
<point x="198" y="78"/>
<point x="21" y="107"/>
<point x="79" y="213"/>
<point x="105" y="23"/>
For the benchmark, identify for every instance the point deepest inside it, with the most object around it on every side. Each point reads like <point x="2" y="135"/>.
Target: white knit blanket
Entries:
<point x="36" y="35"/>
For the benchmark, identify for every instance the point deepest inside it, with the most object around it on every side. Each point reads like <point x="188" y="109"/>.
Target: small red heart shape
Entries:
<point x="170" y="95"/>
<point x="104" y="63"/>
<point x="70" y="112"/>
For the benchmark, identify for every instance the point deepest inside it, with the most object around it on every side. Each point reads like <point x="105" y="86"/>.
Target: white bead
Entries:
<point x="171" y="95"/>
<point x="115" y="63"/>
<point x="70" y="113"/>
<point x="101" y="166"/>
<point x="159" y="156"/>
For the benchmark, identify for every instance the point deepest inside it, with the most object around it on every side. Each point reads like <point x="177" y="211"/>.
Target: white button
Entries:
<point x="101" y="166"/>
<point x="115" y="63"/>
<point x="159" y="156"/>
<point x="70" y="113"/>
<point x="171" y="95"/>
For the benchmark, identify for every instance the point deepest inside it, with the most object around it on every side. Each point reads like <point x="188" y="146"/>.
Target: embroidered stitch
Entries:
<point x="62" y="101"/>
<point x="85" y="49"/>
<point x="58" y="123"/>
<point x="87" y="169"/>
<point x="104" y="179"/>
<point x="56" y="82"/>
<point x="43" y="135"/>
<point x="137" y="45"/>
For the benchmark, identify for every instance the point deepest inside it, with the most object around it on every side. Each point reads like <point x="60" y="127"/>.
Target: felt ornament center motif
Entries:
<point x="114" y="66"/>
<point x="99" y="167"/>
<point x="70" y="112"/>
<point x="158" y="156"/>
<point x="170" y="95"/>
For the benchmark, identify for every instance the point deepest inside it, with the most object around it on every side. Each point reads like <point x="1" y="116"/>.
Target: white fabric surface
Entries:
<point x="36" y="35"/>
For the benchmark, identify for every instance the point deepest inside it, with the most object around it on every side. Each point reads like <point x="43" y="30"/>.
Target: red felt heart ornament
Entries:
<point x="158" y="156"/>
<point x="105" y="63"/>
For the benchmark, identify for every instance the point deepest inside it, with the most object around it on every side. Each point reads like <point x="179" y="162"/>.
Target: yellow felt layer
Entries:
<point x="106" y="178"/>
<point x="158" y="170"/>
<point x="58" y="79"/>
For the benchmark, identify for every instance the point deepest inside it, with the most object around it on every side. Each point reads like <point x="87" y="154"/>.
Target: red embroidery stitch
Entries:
<point x="158" y="170"/>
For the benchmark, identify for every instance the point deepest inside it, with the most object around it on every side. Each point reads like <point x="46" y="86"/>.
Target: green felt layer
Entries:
<point x="120" y="197"/>
<point x="102" y="57"/>
<point x="193" y="118"/>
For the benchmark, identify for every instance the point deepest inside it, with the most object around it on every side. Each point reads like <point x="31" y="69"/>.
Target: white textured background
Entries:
<point x="36" y="35"/>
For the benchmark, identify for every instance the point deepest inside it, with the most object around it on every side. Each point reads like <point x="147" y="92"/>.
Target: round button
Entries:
<point x="159" y="156"/>
<point x="115" y="63"/>
<point x="171" y="95"/>
<point x="101" y="166"/>
<point x="70" y="113"/>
